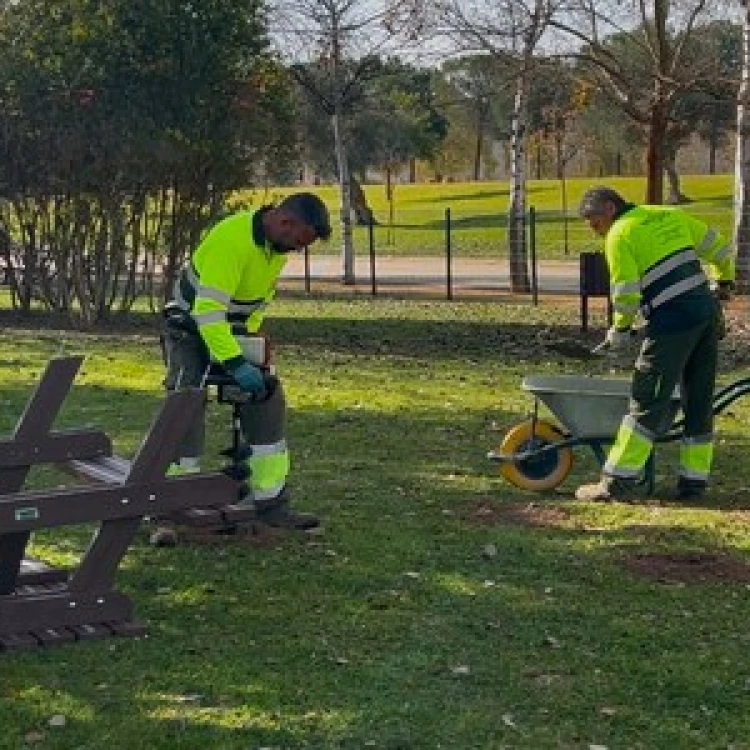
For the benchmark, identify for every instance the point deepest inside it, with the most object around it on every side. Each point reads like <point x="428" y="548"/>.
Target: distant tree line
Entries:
<point x="124" y="125"/>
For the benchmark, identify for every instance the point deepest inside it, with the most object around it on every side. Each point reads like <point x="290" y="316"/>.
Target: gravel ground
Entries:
<point x="735" y="348"/>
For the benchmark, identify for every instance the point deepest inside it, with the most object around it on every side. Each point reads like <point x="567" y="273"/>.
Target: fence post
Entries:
<point x="532" y="250"/>
<point x="448" y="260"/>
<point x="371" y="241"/>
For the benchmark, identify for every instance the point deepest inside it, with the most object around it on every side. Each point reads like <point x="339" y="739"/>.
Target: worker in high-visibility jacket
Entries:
<point x="218" y="305"/>
<point x="656" y="257"/>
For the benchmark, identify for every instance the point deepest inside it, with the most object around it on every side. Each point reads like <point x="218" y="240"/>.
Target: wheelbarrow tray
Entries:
<point x="587" y="408"/>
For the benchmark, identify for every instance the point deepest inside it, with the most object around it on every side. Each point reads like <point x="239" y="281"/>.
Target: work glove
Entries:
<point x="250" y="379"/>
<point x="724" y="290"/>
<point x="617" y="340"/>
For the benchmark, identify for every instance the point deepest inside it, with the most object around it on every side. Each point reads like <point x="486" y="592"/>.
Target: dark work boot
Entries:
<point x="690" y="489"/>
<point x="277" y="514"/>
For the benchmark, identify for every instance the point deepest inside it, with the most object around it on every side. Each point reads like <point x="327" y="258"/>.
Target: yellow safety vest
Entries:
<point x="228" y="284"/>
<point x="654" y="255"/>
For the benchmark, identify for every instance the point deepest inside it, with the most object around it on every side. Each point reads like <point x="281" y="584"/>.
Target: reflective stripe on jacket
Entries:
<point x="654" y="255"/>
<point x="228" y="284"/>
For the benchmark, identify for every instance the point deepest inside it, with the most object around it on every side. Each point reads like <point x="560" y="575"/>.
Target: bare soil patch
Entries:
<point x="251" y="534"/>
<point x="530" y="515"/>
<point x="688" y="567"/>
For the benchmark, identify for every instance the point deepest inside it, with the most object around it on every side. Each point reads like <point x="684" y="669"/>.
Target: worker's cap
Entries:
<point x="595" y="200"/>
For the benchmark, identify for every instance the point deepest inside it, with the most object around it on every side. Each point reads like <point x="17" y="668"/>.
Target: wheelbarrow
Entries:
<point x="537" y="454"/>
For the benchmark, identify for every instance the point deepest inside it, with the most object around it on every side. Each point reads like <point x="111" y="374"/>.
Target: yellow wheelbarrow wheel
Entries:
<point x="535" y="472"/>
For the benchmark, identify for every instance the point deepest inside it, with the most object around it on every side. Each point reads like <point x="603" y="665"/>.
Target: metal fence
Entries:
<point x="458" y="254"/>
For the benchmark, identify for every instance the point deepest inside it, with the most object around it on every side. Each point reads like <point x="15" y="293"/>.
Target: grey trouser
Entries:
<point x="187" y="361"/>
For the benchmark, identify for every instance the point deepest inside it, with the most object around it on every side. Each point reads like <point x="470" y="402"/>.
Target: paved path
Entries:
<point x="471" y="273"/>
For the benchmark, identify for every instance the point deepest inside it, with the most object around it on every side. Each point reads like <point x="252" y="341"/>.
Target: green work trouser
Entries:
<point x="687" y="358"/>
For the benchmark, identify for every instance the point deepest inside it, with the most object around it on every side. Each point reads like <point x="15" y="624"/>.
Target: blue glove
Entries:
<point x="250" y="379"/>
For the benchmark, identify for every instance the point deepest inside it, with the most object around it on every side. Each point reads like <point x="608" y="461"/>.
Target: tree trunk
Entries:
<point x="389" y="196"/>
<point x="342" y="159"/>
<point x="676" y="196"/>
<point x="347" y="243"/>
<point x="713" y="141"/>
<point x="478" y="144"/>
<point x="517" y="251"/>
<point x="657" y="128"/>
<point x="561" y="164"/>
<point x="657" y="125"/>
<point x="539" y="156"/>
<point x="742" y="163"/>
<point x="362" y="211"/>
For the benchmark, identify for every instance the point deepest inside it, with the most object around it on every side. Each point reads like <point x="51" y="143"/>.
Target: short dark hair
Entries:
<point x="311" y="210"/>
<point x="595" y="198"/>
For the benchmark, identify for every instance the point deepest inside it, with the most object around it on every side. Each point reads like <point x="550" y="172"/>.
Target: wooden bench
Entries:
<point x="115" y="470"/>
<point x="41" y="606"/>
<point x="206" y="521"/>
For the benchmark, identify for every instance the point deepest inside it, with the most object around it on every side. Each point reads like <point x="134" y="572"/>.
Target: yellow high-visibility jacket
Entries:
<point x="654" y="255"/>
<point x="229" y="282"/>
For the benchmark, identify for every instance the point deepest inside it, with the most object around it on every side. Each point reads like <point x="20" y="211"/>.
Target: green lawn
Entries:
<point x="478" y="215"/>
<point x="425" y="616"/>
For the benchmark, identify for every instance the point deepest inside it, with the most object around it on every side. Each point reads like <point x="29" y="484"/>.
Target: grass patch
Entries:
<point x="478" y="215"/>
<point x="441" y="608"/>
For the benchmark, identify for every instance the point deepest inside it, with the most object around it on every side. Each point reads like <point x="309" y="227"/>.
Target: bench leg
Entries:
<point x="12" y="548"/>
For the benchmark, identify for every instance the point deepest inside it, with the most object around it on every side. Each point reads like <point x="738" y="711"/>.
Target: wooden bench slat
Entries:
<point x="108" y="469"/>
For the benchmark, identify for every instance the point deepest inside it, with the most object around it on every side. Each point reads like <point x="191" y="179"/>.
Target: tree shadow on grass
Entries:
<point x="439" y="339"/>
<point x="394" y="626"/>
<point x="458" y="223"/>
<point x="478" y="195"/>
<point x="722" y="200"/>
